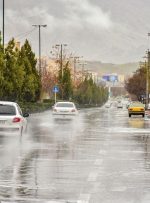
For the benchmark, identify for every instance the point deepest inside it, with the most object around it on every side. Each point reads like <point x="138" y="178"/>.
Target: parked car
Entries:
<point x="12" y="120"/>
<point x="136" y="108"/>
<point x="64" y="110"/>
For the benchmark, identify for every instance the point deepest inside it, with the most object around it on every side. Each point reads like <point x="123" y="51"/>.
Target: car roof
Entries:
<point x="64" y="102"/>
<point x="8" y="103"/>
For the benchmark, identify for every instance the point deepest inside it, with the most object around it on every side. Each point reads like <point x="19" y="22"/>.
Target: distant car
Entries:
<point x="128" y="104"/>
<point x="108" y="105"/>
<point x="119" y="105"/>
<point x="148" y="106"/>
<point x="64" y="110"/>
<point x="136" y="108"/>
<point x="12" y="120"/>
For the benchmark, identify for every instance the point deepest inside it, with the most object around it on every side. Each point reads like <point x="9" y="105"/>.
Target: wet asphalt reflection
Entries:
<point x="101" y="156"/>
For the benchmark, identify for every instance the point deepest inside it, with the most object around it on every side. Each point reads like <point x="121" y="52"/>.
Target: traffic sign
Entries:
<point x="55" y="89"/>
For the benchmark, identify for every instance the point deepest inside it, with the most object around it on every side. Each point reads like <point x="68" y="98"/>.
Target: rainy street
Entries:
<point x="101" y="156"/>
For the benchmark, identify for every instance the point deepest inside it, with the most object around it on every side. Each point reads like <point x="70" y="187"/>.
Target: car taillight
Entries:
<point x="16" y="120"/>
<point x="142" y="109"/>
<point x="130" y="109"/>
<point x="73" y="110"/>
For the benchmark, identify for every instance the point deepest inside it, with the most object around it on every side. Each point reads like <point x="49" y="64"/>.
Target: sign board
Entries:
<point x="55" y="89"/>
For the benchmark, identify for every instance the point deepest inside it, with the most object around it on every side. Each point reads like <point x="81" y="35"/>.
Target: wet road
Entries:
<point x="100" y="157"/>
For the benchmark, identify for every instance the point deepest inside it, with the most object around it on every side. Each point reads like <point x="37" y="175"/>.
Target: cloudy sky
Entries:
<point x="102" y="30"/>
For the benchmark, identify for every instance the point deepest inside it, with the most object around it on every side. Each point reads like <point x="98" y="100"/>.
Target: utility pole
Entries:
<point x="61" y="60"/>
<point x="61" y="64"/>
<point x="75" y="61"/>
<point x="83" y="70"/>
<point x="3" y="23"/>
<point x="61" y="56"/>
<point x="148" y="69"/>
<point x="39" y="27"/>
<point x="147" y="89"/>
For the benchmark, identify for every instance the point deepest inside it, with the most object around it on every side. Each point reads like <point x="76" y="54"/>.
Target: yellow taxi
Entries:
<point x="136" y="108"/>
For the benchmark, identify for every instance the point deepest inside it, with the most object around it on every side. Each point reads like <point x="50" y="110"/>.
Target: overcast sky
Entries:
<point x="102" y="30"/>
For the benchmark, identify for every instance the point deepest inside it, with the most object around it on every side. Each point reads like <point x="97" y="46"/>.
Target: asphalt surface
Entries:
<point x="101" y="156"/>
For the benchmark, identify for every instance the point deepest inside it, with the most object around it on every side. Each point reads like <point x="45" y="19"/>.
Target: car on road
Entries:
<point x="108" y="105"/>
<point x="128" y="104"/>
<point x="119" y="105"/>
<point x="64" y="110"/>
<point x="136" y="108"/>
<point x="148" y="106"/>
<point x="12" y="120"/>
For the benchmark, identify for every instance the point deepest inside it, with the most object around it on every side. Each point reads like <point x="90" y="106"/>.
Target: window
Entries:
<point x="7" y="110"/>
<point x="68" y="105"/>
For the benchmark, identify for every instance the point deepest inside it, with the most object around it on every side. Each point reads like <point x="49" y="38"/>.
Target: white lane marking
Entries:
<point x="98" y="162"/>
<point x="119" y="189"/>
<point x="84" y="198"/>
<point x="44" y="201"/>
<point x="93" y="176"/>
<point x="102" y="152"/>
<point x="80" y="201"/>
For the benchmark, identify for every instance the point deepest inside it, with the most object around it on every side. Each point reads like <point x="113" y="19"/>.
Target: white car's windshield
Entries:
<point x="7" y="110"/>
<point x="68" y="105"/>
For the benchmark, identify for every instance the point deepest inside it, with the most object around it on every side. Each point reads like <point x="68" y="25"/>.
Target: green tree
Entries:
<point x="13" y="73"/>
<point x="2" y="64"/>
<point x="65" y="83"/>
<point x="31" y="83"/>
<point x="89" y="93"/>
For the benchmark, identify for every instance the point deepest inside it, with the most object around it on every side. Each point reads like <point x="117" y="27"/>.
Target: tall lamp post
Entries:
<point x="148" y="69"/>
<point x="147" y="66"/>
<point x="39" y="27"/>
<point x="3" y="22"/>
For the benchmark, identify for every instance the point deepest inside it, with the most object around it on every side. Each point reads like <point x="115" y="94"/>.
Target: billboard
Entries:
<point x="110" y="77"/>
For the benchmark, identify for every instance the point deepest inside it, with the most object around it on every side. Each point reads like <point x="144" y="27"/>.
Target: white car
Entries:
<point x="119" y="105"/>
<point x="64" y="110"/>
<point x="108" y="105"/>
<point x="11" y="118"/>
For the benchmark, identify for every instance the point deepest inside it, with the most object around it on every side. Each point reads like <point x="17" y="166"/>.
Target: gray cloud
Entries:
<point x="110" y="31"/>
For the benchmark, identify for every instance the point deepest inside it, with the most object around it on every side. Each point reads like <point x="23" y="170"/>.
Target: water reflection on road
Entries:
<point x="101" y="156"/>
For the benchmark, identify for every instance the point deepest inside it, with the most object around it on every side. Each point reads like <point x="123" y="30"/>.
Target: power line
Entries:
<point x="24" y="34"/>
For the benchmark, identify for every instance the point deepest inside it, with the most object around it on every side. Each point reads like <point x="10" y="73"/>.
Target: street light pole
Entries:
<point x="39" y="27"/>
<point x="147" y="95"/>
<point x="61" y="60"/>
<point x="3" y="22"/>
<point x="148" y="69"/>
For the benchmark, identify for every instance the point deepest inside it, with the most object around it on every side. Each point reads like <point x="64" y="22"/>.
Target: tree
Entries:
<point x="48" y="81"/>
<point x="89" y="93"/>
<point x="31" y="83"/>
<point x="13" y="73"/>
<point x="65" y="82"/>
<point x="19" y="79"/>
<point x="136" y="85"/>
<point x="2" y="64"/>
